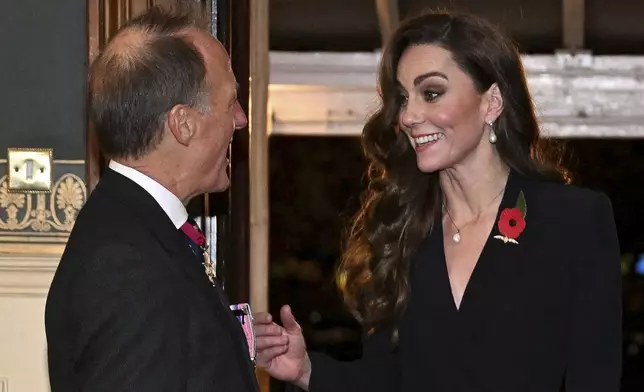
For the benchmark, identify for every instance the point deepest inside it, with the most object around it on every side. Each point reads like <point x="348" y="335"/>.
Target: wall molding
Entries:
<point x="575" y="95"/>
<point x="41" y="223"/>
<point x="26" y="275"/>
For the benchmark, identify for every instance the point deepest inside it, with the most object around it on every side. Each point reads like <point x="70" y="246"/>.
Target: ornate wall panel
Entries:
<point x="43" y="105"/>
<point x="41" y="223"/>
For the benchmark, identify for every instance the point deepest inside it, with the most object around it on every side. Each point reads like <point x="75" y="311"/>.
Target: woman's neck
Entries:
<point x="470" y="190"/>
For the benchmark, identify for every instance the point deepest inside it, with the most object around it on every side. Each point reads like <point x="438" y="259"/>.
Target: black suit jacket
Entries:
<point x="542" y="315"/>
<point x="130" y="308"/>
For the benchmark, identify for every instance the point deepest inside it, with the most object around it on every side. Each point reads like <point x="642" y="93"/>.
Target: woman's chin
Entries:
<point x="429" y="166"/>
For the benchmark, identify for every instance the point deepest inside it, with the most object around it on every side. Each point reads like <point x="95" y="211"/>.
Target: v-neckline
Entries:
<point x="458" y="308"/>
<point x="507" y="201"/>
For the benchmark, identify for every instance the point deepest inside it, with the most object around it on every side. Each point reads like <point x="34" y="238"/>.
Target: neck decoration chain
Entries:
<point x="457" y="235"/>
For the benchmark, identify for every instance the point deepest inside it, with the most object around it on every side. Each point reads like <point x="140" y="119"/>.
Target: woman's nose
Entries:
<point x="410" y="116"/>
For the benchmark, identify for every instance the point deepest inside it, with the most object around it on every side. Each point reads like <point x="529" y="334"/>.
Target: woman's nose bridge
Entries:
<point x="411" y="112"/>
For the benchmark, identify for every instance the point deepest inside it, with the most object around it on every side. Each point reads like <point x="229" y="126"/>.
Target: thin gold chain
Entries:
<point x="458" y="229"/>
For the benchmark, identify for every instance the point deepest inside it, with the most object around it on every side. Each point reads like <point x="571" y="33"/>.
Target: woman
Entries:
<point x="472" y="265"/>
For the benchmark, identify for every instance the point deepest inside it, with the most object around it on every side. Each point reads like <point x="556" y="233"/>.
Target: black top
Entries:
<point x="131" y="309"/>
<point x="543" y="315"/>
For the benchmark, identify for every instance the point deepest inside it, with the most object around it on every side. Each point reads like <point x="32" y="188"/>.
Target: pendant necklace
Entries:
<point x="457" y="235"/>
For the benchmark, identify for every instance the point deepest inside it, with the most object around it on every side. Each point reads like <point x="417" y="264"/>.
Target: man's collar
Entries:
<point x="168" y="201"/>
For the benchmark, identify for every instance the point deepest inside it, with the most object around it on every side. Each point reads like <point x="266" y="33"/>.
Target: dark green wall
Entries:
<point x="43" y="68"/>
<point x="43" y="63"/>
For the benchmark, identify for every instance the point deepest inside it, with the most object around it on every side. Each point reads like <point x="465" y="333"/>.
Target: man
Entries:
<point x="131" y="307"/>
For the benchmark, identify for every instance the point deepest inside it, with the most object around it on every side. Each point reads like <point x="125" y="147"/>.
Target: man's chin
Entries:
<point x="221" y="185"/>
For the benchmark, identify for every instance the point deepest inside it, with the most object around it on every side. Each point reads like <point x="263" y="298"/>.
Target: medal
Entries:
<point x="198" y="238"/>
<point x="245" y="317"/>
<point x="208" y="266"/>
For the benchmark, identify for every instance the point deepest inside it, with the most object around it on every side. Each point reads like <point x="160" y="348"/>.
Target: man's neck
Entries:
<point x="159" y="172"/>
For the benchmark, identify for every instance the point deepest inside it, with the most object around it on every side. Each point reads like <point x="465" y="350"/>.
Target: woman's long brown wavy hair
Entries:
<point x="401" y="201"/>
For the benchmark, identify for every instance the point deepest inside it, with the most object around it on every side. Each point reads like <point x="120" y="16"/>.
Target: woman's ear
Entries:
<point x="494" y="101"/>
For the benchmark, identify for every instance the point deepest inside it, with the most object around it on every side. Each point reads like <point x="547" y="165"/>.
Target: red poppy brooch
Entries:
<point x="512" y="221"/>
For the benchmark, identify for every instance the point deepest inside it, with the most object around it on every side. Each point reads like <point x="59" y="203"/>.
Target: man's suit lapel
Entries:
<point x="152" y="216"/>
<point x="227" y="317"/>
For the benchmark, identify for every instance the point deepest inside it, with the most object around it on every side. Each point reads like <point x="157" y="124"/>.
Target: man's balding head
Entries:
<point x="151" y="65"/>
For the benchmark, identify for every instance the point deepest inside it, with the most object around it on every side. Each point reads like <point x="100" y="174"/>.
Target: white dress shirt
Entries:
<point x="170" y="203"/>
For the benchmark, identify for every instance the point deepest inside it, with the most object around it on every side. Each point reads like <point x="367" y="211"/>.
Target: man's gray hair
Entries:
<point x="145" y="70"/>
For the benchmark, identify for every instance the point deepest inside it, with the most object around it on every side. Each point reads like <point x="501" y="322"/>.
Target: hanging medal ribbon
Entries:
<point x="198" y="238"/>
<point x="245" y="317"/>
<point x="194" y="234"/>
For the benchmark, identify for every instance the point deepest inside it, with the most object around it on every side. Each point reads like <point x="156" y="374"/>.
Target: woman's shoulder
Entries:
<point x="571" y="214"/>
<point x="573" y="199"/>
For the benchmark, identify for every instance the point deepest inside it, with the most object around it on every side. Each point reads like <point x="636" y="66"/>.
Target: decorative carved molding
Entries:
<point x="40" y="223"/>
<point x="575" y="95"/>
<point x="53" y="213"/>
<point x="26" y="275"/>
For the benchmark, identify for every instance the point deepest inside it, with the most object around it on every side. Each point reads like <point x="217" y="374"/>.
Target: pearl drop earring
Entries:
<point x="492" y="133"/>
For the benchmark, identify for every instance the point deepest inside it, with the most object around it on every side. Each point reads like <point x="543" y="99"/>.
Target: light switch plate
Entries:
<point x="30" y="170"/>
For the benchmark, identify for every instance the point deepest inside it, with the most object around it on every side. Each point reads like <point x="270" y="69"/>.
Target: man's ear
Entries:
<point x="182" y="123"/>
<point x="494" y="103"/>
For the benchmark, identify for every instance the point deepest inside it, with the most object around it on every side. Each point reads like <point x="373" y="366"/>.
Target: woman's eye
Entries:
<point x="431" y="95"/>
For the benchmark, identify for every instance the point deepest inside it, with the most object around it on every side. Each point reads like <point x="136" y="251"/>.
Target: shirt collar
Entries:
<point x="168" y="201"/>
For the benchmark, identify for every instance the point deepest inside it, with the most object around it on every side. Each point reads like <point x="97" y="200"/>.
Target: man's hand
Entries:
<point x="281" y="351"/>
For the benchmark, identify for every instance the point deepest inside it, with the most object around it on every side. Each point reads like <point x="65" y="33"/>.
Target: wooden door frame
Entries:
<point x="95" y="42"/>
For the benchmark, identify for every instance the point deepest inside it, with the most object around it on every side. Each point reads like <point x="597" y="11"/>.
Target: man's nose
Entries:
<point x="241" y="121"/>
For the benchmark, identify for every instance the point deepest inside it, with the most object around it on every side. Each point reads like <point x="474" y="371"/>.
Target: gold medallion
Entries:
<point x="208" y="265"/>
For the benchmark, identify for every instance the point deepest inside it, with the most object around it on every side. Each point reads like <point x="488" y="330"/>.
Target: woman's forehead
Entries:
<point x="420" y="60"/>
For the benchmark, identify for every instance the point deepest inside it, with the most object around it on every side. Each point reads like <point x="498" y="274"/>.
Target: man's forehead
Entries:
<point x="215" y="55"/>
<point x="205" y="42"/>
